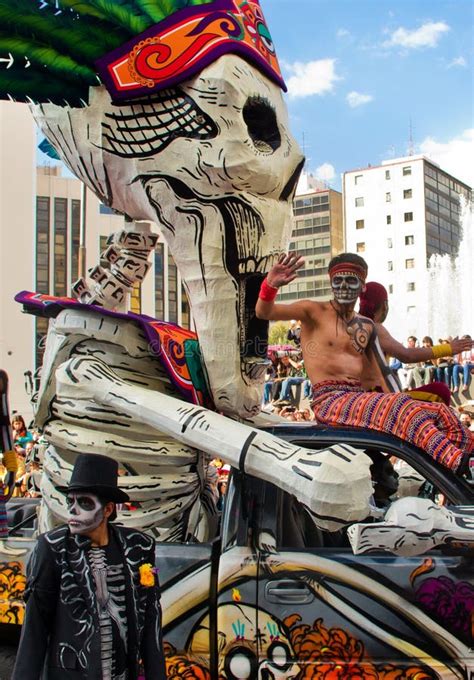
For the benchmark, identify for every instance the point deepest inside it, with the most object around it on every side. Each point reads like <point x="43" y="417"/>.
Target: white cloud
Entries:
<point x="355" y="99"/>
<point x="458" y="61"/>
<point x="325" y="172"/>
<point x="342" y="33"/>
<point x="455" y="156"/>
<point x="313" y="77"/>
<point x="426" y="35"/>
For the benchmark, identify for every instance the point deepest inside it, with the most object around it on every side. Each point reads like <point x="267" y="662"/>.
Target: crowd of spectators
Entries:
<point x="27" y="446"/>
<point x="455" y="372"/>
<point x="287" y="390"/>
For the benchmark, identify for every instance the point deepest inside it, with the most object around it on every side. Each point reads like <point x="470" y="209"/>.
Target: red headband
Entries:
<point x="348" y="268"/>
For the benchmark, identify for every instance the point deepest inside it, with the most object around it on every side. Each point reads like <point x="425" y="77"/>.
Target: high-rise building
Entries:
<point x="317" y="236"/>
<point x="396" y="216"/>
<point x="52" y="230"/>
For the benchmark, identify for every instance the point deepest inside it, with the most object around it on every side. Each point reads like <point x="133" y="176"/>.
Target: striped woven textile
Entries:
<point x="431" y="426"/>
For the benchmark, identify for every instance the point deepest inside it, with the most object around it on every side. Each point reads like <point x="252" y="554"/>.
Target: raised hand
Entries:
<point x="285" y="270"/>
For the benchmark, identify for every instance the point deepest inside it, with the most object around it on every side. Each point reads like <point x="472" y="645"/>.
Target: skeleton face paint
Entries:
<point x="346" y="288"/>
<point x="86" y="512"/>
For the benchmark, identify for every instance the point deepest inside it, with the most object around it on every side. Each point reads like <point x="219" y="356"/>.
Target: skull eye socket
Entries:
<point x="262" y="124"/>
<point x="240" y="664"/>
<point x="279" y="656"/>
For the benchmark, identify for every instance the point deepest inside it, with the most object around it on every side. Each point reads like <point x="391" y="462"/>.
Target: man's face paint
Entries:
<point x="346" y="288"/>
<point x="86" y="512"/>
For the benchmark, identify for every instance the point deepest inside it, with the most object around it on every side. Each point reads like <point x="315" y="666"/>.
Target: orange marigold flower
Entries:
<point x="147" y="575"/>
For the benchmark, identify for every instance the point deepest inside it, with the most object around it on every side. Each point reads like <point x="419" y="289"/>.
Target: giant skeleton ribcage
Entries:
<point x="103" y="391"/>
<point x="165" y="479"/>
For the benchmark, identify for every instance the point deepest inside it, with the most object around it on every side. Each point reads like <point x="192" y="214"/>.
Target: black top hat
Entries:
<point x="96" y="474"/>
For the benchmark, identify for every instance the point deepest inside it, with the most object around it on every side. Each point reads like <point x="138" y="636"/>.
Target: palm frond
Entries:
<point x="123" y="13"/>
<point x="48" y="48"/>
<point x="34" y="86"/>
<point x="83" y="42"/>
<point x="48" y="58"/>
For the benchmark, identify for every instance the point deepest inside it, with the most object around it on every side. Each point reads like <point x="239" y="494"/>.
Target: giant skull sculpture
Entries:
<point x="214" y="164"/>
<point x="208" y="156"/>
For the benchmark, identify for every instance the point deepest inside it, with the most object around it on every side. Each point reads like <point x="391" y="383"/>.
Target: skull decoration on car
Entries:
<point x="247" y="650"/>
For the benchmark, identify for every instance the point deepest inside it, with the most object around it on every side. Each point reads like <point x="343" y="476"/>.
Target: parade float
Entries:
<point x="172" y="112"/>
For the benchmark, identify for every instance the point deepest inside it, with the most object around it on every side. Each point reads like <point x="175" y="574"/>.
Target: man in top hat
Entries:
<point x="92" y="596"/>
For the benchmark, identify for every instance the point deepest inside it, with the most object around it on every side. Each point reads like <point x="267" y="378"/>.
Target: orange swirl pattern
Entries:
<point x="186" y="42"/>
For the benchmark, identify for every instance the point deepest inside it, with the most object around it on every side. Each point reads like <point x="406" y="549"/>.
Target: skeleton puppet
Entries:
<point x="178" y="119"/>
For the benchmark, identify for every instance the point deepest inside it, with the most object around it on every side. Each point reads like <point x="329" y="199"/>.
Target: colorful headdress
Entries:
<point x="54" y="50"/>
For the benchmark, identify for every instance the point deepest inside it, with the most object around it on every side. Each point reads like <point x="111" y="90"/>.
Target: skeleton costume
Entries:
<point x="89" y="613"/>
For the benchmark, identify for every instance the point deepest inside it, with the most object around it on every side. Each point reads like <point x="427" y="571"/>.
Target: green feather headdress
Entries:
<point x="48" y="47"/>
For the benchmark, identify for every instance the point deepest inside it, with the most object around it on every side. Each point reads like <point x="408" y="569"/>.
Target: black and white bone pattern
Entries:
<point x="111" y="605"/>
<point x="412" y="526"/>
<point x="333" y="483"/>
<point x="147" y="126"/>
<point x="166" y="479"/>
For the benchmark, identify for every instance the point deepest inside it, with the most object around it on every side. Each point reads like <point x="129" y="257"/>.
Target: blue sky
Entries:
<point x="359" y="70"/>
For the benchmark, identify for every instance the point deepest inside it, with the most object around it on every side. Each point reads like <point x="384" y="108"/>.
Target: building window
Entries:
<point x="389" y="219"/>
<point x="389" y="243"/>
<point x="411" y="310"/>
<point x="406" y="170"/>
<point x="172" y="290"/>
<point x="359" y="202"/>
<point x="41" y="331"/>
<point x="360" y="247"/>
<point x="387" y="174"/>
<point x="360" y="224"/>
<point x="105" y="210"/>
<point x="185" y="309"/>
<point x="75" y="238"/>
<point x="409" y="263"/>
<point x="407" y="193"/>
<point x="408" y="217"/>
<point x="159" y="282"/>
<point x="390" y="289"/>
<point x="358" y="179"/>
<point x="409" y="240"/>
<point x="390" y="266"/>
<point x="388" y="197"/>
<point x="410" y="286"/>
<point x="42" y="244"/>
<point x="60" y="247"/>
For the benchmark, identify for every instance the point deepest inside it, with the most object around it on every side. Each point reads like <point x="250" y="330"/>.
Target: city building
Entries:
<point x="396" y="216"/>
<point x="317" y="235"/>
<point x="53" y="230"/>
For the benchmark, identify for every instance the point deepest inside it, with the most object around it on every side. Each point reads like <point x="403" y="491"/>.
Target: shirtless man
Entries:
<point x="334" y="343"/>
